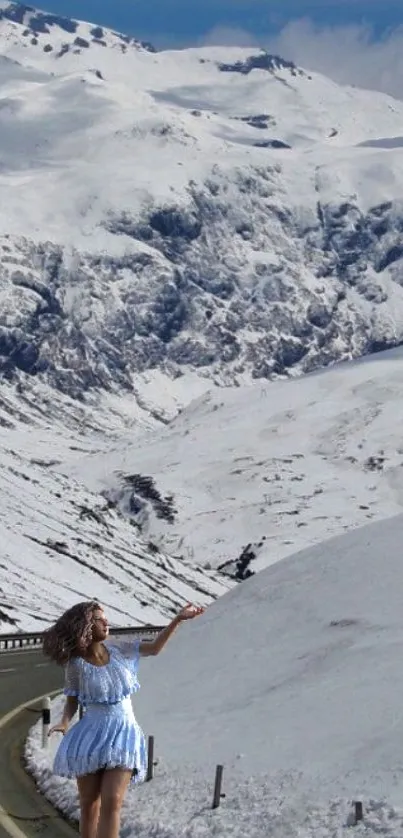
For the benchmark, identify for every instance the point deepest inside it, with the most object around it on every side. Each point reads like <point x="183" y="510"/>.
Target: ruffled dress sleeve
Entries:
<point x="72" y="678"/>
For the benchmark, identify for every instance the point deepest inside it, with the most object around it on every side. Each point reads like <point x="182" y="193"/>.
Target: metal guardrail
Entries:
<point x="33" y="640"/>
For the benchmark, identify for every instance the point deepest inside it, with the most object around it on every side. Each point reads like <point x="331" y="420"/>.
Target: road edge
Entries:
<point x="7" y="823"/>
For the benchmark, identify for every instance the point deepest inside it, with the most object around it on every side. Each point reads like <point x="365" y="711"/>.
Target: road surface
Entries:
<point x="25" y="676"/>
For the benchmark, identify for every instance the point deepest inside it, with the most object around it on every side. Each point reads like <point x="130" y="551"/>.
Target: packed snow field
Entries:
<point x="293" y="681"/>
<point x="277" y="466"/>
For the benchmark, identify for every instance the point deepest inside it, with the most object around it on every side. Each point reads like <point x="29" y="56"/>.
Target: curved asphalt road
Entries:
<point x="23" y="677"/>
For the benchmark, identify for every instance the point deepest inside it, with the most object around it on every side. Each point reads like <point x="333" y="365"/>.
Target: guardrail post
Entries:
<point x="150" y="759"/>
<point x="45" y="722"/>
<point x="217" y="787"/>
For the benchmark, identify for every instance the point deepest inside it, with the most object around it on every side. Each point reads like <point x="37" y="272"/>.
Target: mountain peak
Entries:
<point x="36" y="21"/>
<point x="77" y="35"/>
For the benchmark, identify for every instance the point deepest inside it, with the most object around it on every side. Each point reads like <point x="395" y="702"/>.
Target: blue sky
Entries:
<point x="171" y="22"/>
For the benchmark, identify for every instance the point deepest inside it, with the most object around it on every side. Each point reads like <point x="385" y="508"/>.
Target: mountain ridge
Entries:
<point x="242" y="251"/>
<point x="35" y="23"/>
<point x="171" y="223"/>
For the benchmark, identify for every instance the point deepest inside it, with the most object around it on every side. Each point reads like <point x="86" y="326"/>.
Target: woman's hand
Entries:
<point x="155" y="646"/>
<point x="60" y="728"/>
<point x="189" y="612"/>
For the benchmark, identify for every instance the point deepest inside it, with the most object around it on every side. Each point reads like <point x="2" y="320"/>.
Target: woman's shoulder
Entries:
<point x="125" y="648"/>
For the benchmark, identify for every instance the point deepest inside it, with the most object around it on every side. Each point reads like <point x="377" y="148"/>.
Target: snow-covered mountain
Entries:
<point x="215" y="211"/>
<point x="172" y="221"/>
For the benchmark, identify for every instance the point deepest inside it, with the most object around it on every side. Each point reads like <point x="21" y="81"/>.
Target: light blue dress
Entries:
<point x="108" y="735"/>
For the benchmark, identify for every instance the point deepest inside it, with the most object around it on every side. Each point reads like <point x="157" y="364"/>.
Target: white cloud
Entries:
<point x="347" y="54"/>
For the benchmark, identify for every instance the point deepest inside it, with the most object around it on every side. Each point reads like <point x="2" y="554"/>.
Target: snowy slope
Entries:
<point x="61" y="543"/>
<point x="277" y="466"/>
<point x="214" y="212"/>
<point x="293" y="682"/>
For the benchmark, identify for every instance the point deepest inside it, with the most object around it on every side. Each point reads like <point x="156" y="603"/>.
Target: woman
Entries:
<point x="106" y="747"/>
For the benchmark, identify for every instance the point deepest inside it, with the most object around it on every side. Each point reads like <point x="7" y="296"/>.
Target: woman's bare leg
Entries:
<point x="113" y="789"/>
<point x="89" y="792"/>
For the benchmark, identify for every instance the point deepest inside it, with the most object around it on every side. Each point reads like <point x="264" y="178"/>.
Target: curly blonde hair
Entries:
<point x="71" y="635"/>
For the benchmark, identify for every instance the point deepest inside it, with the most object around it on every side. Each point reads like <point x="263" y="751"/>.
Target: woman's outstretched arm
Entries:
<point x="154" y="647"/>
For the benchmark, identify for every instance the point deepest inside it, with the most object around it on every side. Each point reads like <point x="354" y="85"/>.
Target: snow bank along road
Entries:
<point x="23" y="677"/>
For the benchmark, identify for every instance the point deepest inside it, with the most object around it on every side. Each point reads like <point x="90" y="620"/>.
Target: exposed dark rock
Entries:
<point x="97" y="32"/>
<point x="261" y="61"/>
<point x="63" y="50"/>
<point x="143" y="489"/>
<point x="7" y="618"/>
<point x="271" y="144"/>
<point x="128" y="40"/>
<point x="240" y="568"/>
<point x="81" y="42"/>
<point x="174" y="223"/>
<point x="260" y="121"/>
<point x="392" y="254"/>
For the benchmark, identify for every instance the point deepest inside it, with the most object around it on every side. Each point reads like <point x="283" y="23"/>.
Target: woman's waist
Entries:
<point x="109" y="708"/>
